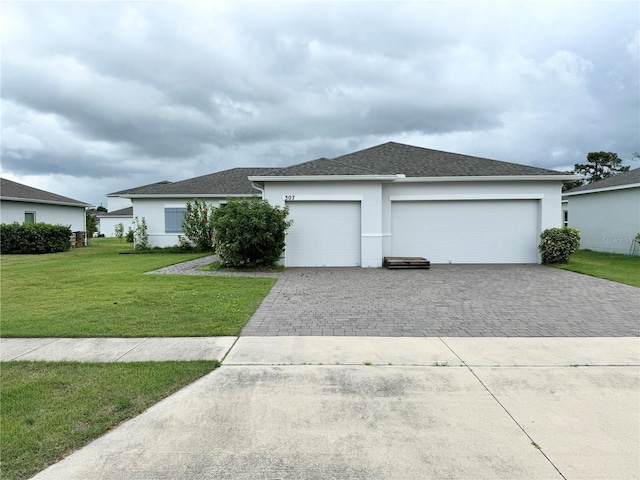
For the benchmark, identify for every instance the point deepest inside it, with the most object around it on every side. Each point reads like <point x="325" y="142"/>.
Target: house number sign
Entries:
<point x="289" y="198"/>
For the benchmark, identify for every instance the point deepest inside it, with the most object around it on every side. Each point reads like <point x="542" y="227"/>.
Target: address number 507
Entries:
<point x="289" y="198"/>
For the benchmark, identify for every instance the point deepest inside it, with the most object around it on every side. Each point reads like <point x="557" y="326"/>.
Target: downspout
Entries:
<point x="259" y="188"/>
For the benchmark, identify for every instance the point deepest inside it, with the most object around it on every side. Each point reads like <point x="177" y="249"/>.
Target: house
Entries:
<point x="23" y="204"/>
<point x="606" y="212"/>
<point x="163" y="205"/>
<point x="119" y="210"/>
<point x="107" y="221"/>
<point x="401" y="200"/>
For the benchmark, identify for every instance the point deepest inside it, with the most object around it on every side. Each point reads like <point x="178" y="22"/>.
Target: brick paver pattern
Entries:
<point x="447" y="300"/>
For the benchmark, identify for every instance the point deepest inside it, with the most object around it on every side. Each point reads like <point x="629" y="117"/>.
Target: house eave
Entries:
<point x="324" y="178"/>
<point x="191" y="195"/>
<point x="605" y="189"/>
<point x="400" y="178"/>
<point x="46" y="202"/>
<point x="491" y="178"/>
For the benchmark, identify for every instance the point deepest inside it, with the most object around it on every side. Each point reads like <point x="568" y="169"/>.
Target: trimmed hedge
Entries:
<point x="557" y="244"/>
<point x="34" y="238"/>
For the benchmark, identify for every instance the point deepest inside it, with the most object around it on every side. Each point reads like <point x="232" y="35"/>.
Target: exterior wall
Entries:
<point x="376" y="198"/>
<point x="11" y="211"/>
<point x="117" y="203"/>
<point x="608" y="221"/>
<point x="107" y="225"/>
<point x="152" y="209"/>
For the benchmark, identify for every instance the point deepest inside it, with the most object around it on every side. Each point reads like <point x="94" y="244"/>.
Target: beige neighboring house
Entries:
<point x="24" y="204"/>
<point x="606" y="212"/>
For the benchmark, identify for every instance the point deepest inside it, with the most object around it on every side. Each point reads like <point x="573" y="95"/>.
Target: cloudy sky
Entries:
<point x="102" y="96"/>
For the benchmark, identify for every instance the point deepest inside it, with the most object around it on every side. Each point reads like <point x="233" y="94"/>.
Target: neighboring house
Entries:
<point x="163" y="205"/>
<point x="120" y="210"/>
<point x="109" y="220"/>
<point x="118" y="201"/>
<point x="401" y="200"/>
<point x="23" y="204"/>
<point x="606" y="212"/>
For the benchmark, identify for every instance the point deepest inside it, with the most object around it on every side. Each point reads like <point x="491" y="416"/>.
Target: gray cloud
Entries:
<point x="144" y="91"/>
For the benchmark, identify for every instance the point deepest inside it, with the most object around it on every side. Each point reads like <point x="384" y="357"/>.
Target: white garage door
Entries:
<point x="323" y="234"/>
<point x="487" y="231"/>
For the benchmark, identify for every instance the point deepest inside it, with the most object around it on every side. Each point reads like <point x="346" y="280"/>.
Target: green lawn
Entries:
<point x="610" y="266"/>
<point x="95" y="291"/>
<point x="51" y="409"/>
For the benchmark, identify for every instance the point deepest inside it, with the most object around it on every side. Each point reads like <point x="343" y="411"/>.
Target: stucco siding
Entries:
<point x="108" y="225"/>
<point x="11" y="211"/>
<point x="152" y="210"/>
<point x="608" y="221"/>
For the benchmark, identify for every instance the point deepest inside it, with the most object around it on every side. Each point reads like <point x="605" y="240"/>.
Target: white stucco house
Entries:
<point x="401" y="200"/>
<point x="23" y="204"/>
<point x="388" y="200"/>
<point x="163" y="205"/>
<point x="119" y="210"/>
<point x="606" y="212"/>
<point x="107" y="221"/>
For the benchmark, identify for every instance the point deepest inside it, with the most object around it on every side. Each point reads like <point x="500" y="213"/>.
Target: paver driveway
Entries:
<point x="447" y="300"/>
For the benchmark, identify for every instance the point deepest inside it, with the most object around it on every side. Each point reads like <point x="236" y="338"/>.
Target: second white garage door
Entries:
<point x="323" y="234"/>
<point x="479" y="231"/>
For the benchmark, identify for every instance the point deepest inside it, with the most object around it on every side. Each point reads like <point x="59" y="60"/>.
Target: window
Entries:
<point x="29" y="217"/>
<point x="173" y="219"/>
<point x="565" y="218"/>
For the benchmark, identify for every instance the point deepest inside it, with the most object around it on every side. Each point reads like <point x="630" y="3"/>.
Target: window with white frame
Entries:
<point x="29" y="217"/>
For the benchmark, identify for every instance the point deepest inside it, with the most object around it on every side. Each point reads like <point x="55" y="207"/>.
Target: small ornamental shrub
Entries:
<point x="140" y="235"/>
<point x="130" y="235"/>
<point x="32" y="238"/>
<point x="557" y="244"/>
<point x="197" y="225"/>
<point x="249" y="233"/>
<point x="119" y="231"/>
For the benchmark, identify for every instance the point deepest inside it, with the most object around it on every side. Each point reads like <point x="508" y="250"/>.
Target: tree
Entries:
<point x="92" y="227"/>
<point x="249" y="233"/>
<point x="197" y="225"/>
<point x="600" y="165"/>
<point x="100" y="208"/>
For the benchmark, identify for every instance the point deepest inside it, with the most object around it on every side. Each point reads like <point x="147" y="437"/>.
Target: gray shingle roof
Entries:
<point x="396" y="158"/>
<point x="227" y="182"/>
<point x="10" y="190"/>
<point x="628" y="178"/>
<point x="135" y="189"/>
<point x="123" y="212"/>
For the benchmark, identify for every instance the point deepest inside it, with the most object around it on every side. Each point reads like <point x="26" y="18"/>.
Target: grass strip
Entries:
<point x="609" y="266"/>
<point x="50" y="409"/>
<point x="96" y="292"/>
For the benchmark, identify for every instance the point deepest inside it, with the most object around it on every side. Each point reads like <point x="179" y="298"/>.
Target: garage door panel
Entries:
<point x="323" y="234"/>
<point x="466" y="231"/>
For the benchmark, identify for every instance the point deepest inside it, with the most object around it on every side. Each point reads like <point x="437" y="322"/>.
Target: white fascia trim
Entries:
<point x="471" y="196"/>
<point x="322" y="198"/>
<point x="606" y="189"/>
<point x="46" y="202"/>
<point x="325" y="178"/>
<point x="192" y="195"/>
<point x="490" y="178"/>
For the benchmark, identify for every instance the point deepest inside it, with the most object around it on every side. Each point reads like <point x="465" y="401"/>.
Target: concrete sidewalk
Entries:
<point x="387" y="408"/>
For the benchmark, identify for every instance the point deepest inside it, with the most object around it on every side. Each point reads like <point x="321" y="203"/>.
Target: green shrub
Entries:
<point x="197" y="225"/>
<point x="557" y="244"/>
<point x="249" y="233"/>
<point x="130" y="233"/>
<point x="34" y="238"/>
